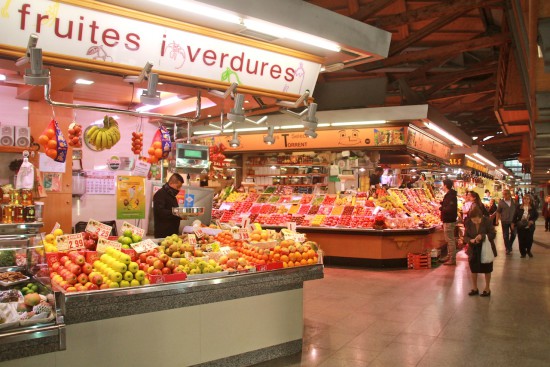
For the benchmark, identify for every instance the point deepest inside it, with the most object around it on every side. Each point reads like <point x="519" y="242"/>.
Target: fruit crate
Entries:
<point x="418" y="261"/>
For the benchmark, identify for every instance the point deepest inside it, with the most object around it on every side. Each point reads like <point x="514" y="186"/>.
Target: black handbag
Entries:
<point x="522" y="224"/>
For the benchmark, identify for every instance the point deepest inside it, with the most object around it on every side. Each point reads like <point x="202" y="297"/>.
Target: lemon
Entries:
<point x="49" y="238"/>
<point x="58" y="232"/>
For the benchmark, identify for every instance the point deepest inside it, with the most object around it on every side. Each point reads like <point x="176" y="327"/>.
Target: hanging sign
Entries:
<point x="89" y="34"/>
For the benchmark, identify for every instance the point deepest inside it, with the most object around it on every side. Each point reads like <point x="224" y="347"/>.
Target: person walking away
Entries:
<point x="546" y="213"/>
<point x="492" y="209"/>
<point x="449" y="213"/>
<point x="524" y="220"/>
<point x="505" y="215"/>
<point x="476" y="231"/>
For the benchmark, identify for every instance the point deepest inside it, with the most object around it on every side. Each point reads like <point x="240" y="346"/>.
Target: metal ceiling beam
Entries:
<point x="366" y="11"/>
<point x="431" y="11"/>
<point x="437" y="52"/>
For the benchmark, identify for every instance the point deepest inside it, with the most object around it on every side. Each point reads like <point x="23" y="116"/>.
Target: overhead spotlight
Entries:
<point x="269" y="138"/>
<point x="295" y="114"/>
<point x="237" y="112"/>
<point x="311" y="114"/>
<point x="263" y="119"/>
<point x="235" y="142"/>
<point x="310" y="133"/>
<point x="295" y="104"/>
<point x="36" y="75"/>
<point x="151" y="96"/>
<point x="143" y="75"/>
<point x="224" y="95"/>
<point x="33" y="41"/>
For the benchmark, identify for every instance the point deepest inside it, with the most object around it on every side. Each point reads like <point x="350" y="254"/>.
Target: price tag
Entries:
<point x="192" y="239"/>
<point x="198" y="232"/>
<point x="144" y="246"/>
<point x="135" y="230"/>
<point x="291" y="226"/>
<point x="243" y="233"/>
<point x="224" y="250"/>
<point x="251" y="227"/>
<point x="300" y="237"/>
<point x="103" y="243"/>
<point x="102" y="230"/>
<point x="70" y="242"/>
<point x="289" y="236"/>
<point x="56" y="226"/>
<point x="246" y="222"/>
<point x="235" y="232"/>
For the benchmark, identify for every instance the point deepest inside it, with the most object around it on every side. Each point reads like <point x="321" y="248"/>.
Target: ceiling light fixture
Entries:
<point x="479" y="156"/>
<point x="236" y="114"/>
<point x="488" y="137"/>
<point x="296" y="103"/>
<point x="33" y="41"/>
<point x="36" y="75"/>
<point x="2" y="77"/>
<point x="269" y="138"/>
<point x="151" y="96"/>
<point x="474" y="159"/>
<point x="144" y="74"/>
<point x="440" y="131"/>
<point x="358" y="123"/>
<point x="503" y="171"/>
<point x="310" y="122"/>
<point x="84" y="81"/>
<point x="163" y="102"/>
<point x="235" y="142"/>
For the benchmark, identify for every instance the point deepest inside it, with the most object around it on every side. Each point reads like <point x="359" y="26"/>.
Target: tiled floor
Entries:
<point x="425" y="318"/>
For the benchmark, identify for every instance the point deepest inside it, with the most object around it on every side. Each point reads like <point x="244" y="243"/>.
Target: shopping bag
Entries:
<point x="25" y="176"/>
<point x="487" y="255"/>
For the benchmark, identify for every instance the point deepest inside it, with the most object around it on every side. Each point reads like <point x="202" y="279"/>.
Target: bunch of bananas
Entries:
<point x="104" y="137"/>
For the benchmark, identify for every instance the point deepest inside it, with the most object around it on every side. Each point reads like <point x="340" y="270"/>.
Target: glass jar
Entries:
<point x="7" y="213"/>
<point x="29" y="213"/>
<point x="15" y="197"/>
<point x="18" y="213"/>
<point x="26" y="197"/>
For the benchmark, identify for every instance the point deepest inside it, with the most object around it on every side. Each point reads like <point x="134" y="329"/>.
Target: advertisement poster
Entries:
<point x="130" y="197"/>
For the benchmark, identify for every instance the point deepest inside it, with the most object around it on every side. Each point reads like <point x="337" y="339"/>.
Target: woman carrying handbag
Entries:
<point x="479" y="232"/>
<point x="524" y="221"/>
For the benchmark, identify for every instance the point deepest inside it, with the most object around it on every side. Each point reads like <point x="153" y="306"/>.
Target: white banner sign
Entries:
<point x="90" y="34"/>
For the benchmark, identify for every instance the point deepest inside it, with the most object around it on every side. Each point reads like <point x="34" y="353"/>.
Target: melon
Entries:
<point x="32" y="299"/>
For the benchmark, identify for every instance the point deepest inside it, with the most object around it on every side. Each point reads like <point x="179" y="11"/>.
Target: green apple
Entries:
<point x="120" y="239"/>
<point x="128" y="276"/>
<point x="115" y="276"/>
<point x="114" y="285"/>
<point x="125" y="259"/>
<point x="136" y="238"/>
<point x="125" y="246"/>
<point x="135" y="283"/>
<point x="139" y="275"/>
<point x="124" y="283"/>
<point x="195" y="271"/>
<point x="126" y="240"/>
<point x="127" y="233"/>
<point x="133" y="267"/>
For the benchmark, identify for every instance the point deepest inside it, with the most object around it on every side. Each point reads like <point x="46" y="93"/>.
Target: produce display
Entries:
<point x="26" y="304"/>
<point x="391" y="209"/>
<point x="104" y="137"/>
<point x="75" y="135"/>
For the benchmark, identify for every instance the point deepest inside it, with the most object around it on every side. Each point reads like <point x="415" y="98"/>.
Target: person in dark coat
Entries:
<point x="525" y="217"/>
<point x="449" y="213"/>
<point x="477" y="230"/>
<point x="505" y="214"/>
<point x="376" y="177"/>
<point x="546" y="213"/>
<point x="164" y="200"/>
<point x="492" y="209"/>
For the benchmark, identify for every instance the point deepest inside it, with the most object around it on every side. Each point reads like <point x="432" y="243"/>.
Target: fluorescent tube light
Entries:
<point x="443" y="133"/>
<point x="163" y="102"/>
<point x="2" y="77"/>
<point x="206" y="132"/>
<point x="488" y="137"/>
<point x="503" y="171"/>
<point x="351" y="123"/>
<point x="286" y="127"/>
<point x="252" y="129"/>
<point x="475" y="160"/>
<point x="477" y="155"/>
<point x="84" y="81"/>
<point x="201" y="9"/>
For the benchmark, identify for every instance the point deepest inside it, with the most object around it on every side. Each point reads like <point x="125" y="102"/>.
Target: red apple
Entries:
<point x="143" y="266"/>
<point x="143" y="257"/>
<point x="63" y="259"/>
<point x="82" y="278"/>
<point x="93" y="236"/>
<point x="90" y="244"/>
<point x="87" y="268"/>
<point x="177" y="270"/>
<point x="158" y="264"/>
<point x="164" y="258"/>
<point x="151" y="260"/>
<point x="104" y="286"/>
<point x="166" y="270"/>
<point x="96" y="279"/>
<point x="150" y="269"/>
<point x="156" y="272"/>
<point x="170" y="264"/>
<point x="79" y="287"/>
<point x="232" y="263"/>
<point x="92" y="287"/>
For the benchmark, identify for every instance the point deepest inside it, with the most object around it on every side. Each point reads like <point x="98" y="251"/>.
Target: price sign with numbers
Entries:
<point x="135" y="230"/>
<point x="198" y="232"/>
<point x="300" y="237"/>
<point x="224" y="250"/>
<point x="192" y="239"/>
<point x="70" y="242"/>
<point x="291" y="226"/>
<point x="243" y="232"/>
<point x="103" y="243"/>
<point x="101" y="229"/>
<point x="235" y="231"/>
<point x="144" y="246"/>
<point x="246" y="222"/>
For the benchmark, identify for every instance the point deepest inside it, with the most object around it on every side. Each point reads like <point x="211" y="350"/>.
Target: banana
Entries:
<point x="109" y="137"/>
<point x="93" y="136"/>
<point x="99" y="139"/>
<point x="92" y="130"/>
<point x="116" y="134"/>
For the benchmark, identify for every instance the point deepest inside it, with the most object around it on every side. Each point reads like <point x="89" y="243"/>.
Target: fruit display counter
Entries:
<point x="184" y="323"/>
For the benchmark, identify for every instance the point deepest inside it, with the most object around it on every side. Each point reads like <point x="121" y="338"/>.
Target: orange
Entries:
<point x="52" y="153"/>
<point x="292" y="257"/>
<point x="310" y="262"/>
<point x="157" y="145"/>
<point x="303" y="262"/>
<point x="255" y="237"/>
<point x="52" y="144"/>
<point x="276" y="257"/>
<point x="285" y="265"/>
<point x="158" y="153"/>
<point x="284" y="258"/>
<point x="291" y="264"/>
<point x="50" y="133"/>
<point x="298" y="256"/>
<point x="43" y="139"/>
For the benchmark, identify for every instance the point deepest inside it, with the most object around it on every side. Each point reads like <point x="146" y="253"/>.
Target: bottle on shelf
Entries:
<point x="7" y="209"/>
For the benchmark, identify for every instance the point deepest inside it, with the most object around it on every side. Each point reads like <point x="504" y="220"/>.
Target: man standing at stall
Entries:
<point x="449" y="213"/>
<point x="505" y="214"/>
<point x="375" y="178"/>
<point x="164" y="200"/>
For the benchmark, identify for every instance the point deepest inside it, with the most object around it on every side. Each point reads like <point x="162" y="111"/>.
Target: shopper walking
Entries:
<point x="546" y="213"/>
<point x="478" y="230"/>
<point x="524" y="220"/>
<point x="449" y="213"/>
<point x="505" y="215"/>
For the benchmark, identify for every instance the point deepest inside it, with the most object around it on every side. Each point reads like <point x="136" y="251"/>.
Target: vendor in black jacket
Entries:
<point x="164" y="200"/>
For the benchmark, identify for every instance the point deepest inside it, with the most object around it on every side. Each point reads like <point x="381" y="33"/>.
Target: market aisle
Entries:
<point x="425" y="317"/>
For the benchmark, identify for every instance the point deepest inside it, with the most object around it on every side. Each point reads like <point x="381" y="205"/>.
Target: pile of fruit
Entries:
<point x="25" y="308"/>
<point x="156" y="263"/>
<point x="104" y="137"/>
<point x="50" y="240"/>
<point x="119" y="270"/>
<point x="175" y="247"/>
<point x="49" y="140"/>
<point x="127" y="238"/>
<point x="75" y="135"/>
<point x="137" y="142"/>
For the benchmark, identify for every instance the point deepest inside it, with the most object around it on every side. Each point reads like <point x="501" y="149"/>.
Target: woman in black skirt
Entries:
<point x="476" y="230"/>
